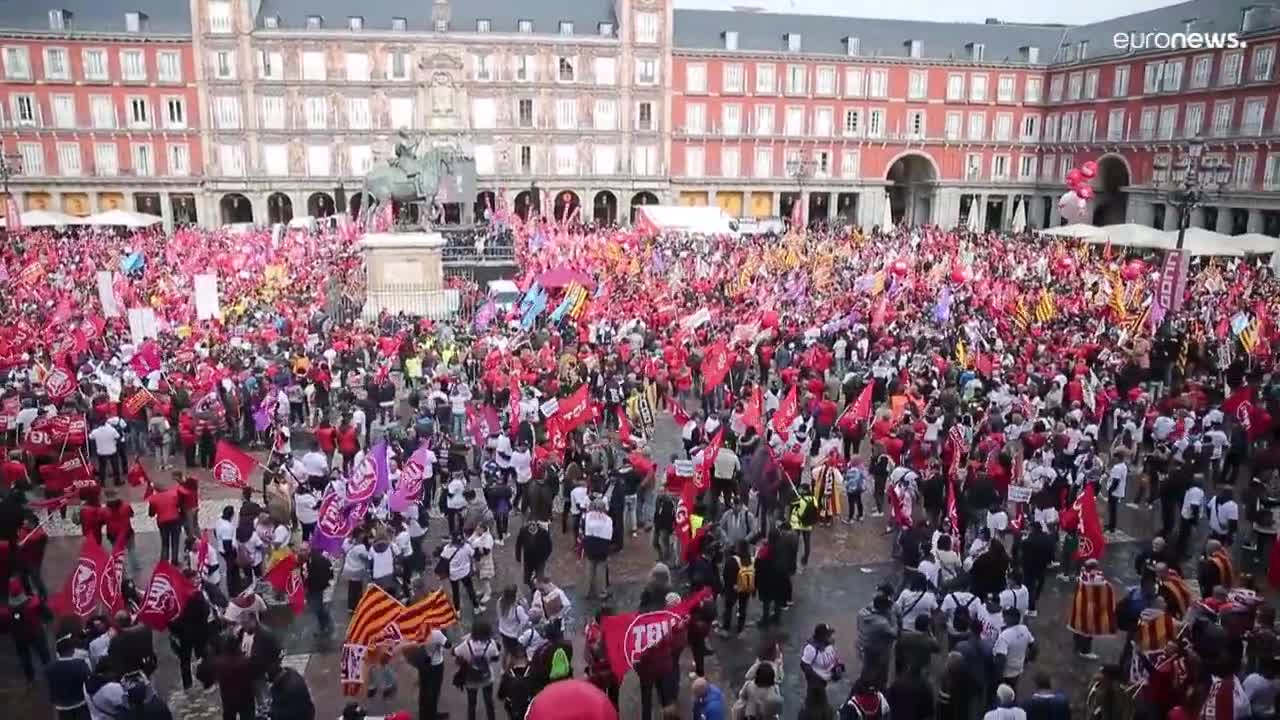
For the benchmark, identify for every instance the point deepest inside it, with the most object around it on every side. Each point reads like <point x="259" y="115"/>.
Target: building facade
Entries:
<point x="99" y="108"/>
<point x="557" y="102"/>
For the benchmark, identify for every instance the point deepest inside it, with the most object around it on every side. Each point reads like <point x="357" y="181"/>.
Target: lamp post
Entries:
<point x="1194" y="179"/>
<point x="800" y="170"/>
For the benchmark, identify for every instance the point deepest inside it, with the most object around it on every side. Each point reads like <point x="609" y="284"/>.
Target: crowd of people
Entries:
<point x="991" y="400"/>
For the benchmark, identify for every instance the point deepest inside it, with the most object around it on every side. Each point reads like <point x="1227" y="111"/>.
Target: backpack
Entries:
<point x="478" y="669"/>
<point x="746" y="581"/>
<point x="852" y="711"/>
<point x="560" y="668"/>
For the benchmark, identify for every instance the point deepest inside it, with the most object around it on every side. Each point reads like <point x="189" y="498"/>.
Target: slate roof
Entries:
<point x="164" y="17"/>
<point x="503" y="15"/>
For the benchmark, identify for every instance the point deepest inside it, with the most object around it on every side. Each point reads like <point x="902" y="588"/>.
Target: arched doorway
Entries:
<point x="567" y="203"/>
<point x="235" y="208"/>
<point x="486" y="203"/>
<point x="320" y="205"/>
<point x="279" y="208"/>
<point x="1111" y="199"/>
<point x="912" y="180"/>
<point x="605" y="208"/>
<point x="819" y="207"/>
<point x="358" y="201"/>
<point x="644" y="197"/>
<point x="523" y="204"/>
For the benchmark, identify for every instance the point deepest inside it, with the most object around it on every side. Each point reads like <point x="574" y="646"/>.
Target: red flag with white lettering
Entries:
<point x="286" y="577"/>
<point x="232" y="466"/>
<point x="628" y="636"/>
<point x="715" y="365"/>
<point x="787" y="412"/>
<point x="166" y="597"/>
<point x="574" y="410"/>
<point x="79" y="594"/>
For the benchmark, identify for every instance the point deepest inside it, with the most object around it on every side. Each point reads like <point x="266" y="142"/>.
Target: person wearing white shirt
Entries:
<point x="1014" y="647"/>
<point x="953" y="601"/>
<point x="914" y="601"/>
<point x="550" y="601"/>
<point x="1162" y="428"/>
<point x="1224" y="517"/>
<point x="1189" y="515"/>
<point x="597" y="534"/>
<point x="1117" y="478"/>
<point x="356" y="564"/>
<point x="513" y="618"/>
<point x="307" y="508"/>
<point x="106" y="445"/>
<point x="522" y="464"/>
<point x="315" y="465"/>
<point x="455" y="503"/>
<point x="1016" y="596"/>
<point x="579" y="499"/>
<point x="427" y="658"/>
<point x="459" y="555"/>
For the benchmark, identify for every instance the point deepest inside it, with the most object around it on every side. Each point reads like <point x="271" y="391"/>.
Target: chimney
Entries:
<point x="915" y="48"/>
<point x="1082" y="50"/>
<point x="1258" y="17"/>
<point x="852" y="46"/>
<point x="991" y="21"/>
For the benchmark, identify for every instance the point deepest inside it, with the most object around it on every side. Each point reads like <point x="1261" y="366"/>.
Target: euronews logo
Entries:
<point x="1131" y="41"/>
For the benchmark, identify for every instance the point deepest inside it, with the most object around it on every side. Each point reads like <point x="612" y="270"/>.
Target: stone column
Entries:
<point x="166" y="211"/>
<point x="1170" y="218"/>
<point x="777" y="204"/>
<point x="1197" y="217"/>
<point x="1224" y="220"/>
<point x="128" y="202"/>
<point x="1140" y="212"/>
<point x="1255" y="221"/>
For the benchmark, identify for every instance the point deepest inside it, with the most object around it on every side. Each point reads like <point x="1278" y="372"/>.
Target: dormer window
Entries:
<point x="134" y="21"/>
<point x="482" y="26"/>
<point x="355" y="23"/>
<point x="852" y="46"/>
<point x="793" y="42"/>
<point x="58" y="19"/>
<point x="315" y="22"/>
<point x="915" y="48"/>
<point x="271" y="22"/>
<point x="977" y="52"/>
<point x="1031" y="53"/>
<point x="524" y="26"/>
<point x="606" y="29"/>
<point x="442" y="26"/>
<point x="1082" y="50"/>
<point x="730" y="40"/>
<point x="399" y="24"/>
<point x="566" y="27"/>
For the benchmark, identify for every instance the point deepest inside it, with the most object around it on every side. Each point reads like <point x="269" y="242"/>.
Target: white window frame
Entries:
<point x="1033" y="91"/>
<point x="1231" y="69"/>
<point x="138" y="77"/>
<point x="70" y="159"/>
<point x="766" y="79"/>
<point x="105" y="65"/>
<point x="1201" y="72"/>
<point x="65" y="74"/>
<point x="20" y="67"/>
<point x="169" y="66"/>
<point x="177" y="159"/>
<point x="1262" y="71"/>
<point x="917" y="85"/>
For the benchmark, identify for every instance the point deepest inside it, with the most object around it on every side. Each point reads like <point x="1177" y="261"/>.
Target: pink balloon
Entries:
<point x="1089" y="169"/>
<point x="1065" y="263"/>
<point x="1084" y="191"/>
<point x="1130" y="273"/>
<point x="1072" y="207"/>
<point x="959" y="275"/>
<point x="899" y="267"/>
<point x="1074" y="177"/>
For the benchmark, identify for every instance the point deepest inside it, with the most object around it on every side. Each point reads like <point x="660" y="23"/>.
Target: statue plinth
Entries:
<point x="405" y="273"/>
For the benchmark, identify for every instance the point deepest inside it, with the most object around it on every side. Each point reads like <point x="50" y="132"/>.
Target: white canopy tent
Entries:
<point x="49" y="218"/>
<point x="887" y="221"/>
<point x="1196" y="241"/>
<point x="708" y="220"/>
<point x="126" y="218"/>
<point x="1075" y="230"/>
<point x="1256" y="243"/>
<point x="1019" y="216"/>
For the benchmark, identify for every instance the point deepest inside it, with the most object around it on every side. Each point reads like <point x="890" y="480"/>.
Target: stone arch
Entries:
<point x="279" y="208"/>
<point x="235" y="208"/>
<point x="912" y="178"/>
<point x="604" y="208"/>
<point x="1111" y="198"/>
<point x="320" y="205"/>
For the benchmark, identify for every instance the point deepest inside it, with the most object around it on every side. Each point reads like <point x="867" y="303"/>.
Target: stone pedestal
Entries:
<point x="404" y="272"/>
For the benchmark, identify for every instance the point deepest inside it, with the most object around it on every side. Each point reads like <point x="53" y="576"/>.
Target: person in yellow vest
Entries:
<point x="804" y="513"/>
<point x="1092" y="609"/>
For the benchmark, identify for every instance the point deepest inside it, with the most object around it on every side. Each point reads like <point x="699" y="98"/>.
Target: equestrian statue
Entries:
<point x="412" y="177"/>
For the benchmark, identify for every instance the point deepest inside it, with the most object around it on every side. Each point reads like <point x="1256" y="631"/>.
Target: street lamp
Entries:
<point x="1194" y="179"/>
<point x="800" y="170"/>
<point x="8" y="168"/>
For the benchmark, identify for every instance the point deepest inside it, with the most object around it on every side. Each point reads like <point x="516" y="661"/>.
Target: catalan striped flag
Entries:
<point x="1021" y="317"/>
<point x="1136" y="323"/>
<point x="1251" y="335"/>
<point x="578" y="298"/>
<point x="1045" y="309"/>
<point x="374" y="615"/>
<point x="962" y="354"/>
<point x="1178" y="596"/>
<point x="431" y="612"/>
<point x="877" y="283"/>
<point x="1155" y="630"/>
<point x="1116" y="301"/>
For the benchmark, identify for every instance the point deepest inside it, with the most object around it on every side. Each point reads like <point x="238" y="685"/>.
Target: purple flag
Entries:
<point x="261" y="419"/>
<point x="485" y="315"/>
<point x="371" y="476"/>
<point x="942" y="310"/>
<point x="410" y="485"/>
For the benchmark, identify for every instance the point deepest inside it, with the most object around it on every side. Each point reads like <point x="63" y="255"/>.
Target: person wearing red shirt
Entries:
<point x="327" y="439"/>
<point x="56" y="482"/>
<point x="189" y="501"/>
<point x="118" y="520"/>
<point x="893" y="447"/>
<point x="32" y="542"/>
<point x="187" y="437"/>
<point x="92" y="516"/>
<point x="348" y="444"/>
<point x="13" y="471"/>
<point x="166" y="507"/>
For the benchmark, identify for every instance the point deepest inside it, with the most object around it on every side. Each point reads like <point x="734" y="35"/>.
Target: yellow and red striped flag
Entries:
<point x="431" y="612"/>
<point x="1045" y="309"/>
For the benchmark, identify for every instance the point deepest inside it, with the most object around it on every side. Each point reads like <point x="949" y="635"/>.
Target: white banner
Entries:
<point x="206" y="287"/>
<point x="142" y="324"/>
<point x="107" y="295"/>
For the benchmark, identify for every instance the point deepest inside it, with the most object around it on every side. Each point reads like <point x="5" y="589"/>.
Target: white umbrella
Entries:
<point x="125" y="218"/>
<point x="48" y="218"/>
<point x="1256" y="243"/>
<point x="887" y="221"/>
<point x="1019" y="216"/>
<point x="1076" y="230"/>
<point x="975" y="222"/>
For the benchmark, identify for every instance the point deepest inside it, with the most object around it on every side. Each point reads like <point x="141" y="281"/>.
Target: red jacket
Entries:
<point x="327" y="437"/>
<point x="92" y="518"/>
<point x="186" y="429"/>
<point x="119" y="520"/>
<point x="12" y="472"/>
<point x="165" y="506"/>
<point x="348" y="440"/>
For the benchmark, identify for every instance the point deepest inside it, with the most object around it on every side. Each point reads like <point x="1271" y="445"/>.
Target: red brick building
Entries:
<point x="99" y="107"/>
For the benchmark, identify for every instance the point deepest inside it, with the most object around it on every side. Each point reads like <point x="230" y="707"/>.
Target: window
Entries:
<point x="1222" y="118"/>
<point x="524" y="113"/>
<point x="878" y="84"/>
<point x="823" y="122"/>
<point x="849" y="162"/>
<point x="1115" y="126"/>
<point x="731" y="119"/>
<point x="855" y="81"/>
<point x="1245" y="171"/>
<point x="1031" y="93"/>
<point x="106" y="160"/>
<point x="1030" y="128"/>
<point x="566" y="69"/>
<point x="766" y="81"/>
<point x="826" y="81"/>
<point x="139" y="113"/>
<point x="55" y="64"/>
<point x="646" y="27"/>
<point x="69" y="159"/>
<point x="317" y="112"/>
<point x="566" y="159"/>
<point x="977" y="126"/>
<point x="273" y="115"/>
<point x="605" y="29"/>
<point x="441" y="25"/>
<point x="1091" y="84"/>
<point x="359" y="159"/>
<point x="694" y="160"/>
<point x="917" y="85"/>
<point x="978" y="88"/>
<point x="1000" y="167"/>
<point x="270" y="65"/>
<point x="524" y="26"/>
<point x="604" y="160"/>
<point x="606" y="114"/>
<point x="955" y="121"/>
<point x="358" y="115"/>
<point x="1193" y="120"/>
<point x="1201" y="71"/>
<point x="275" y="159"/>
<point x="852" y="122"/>
<point x="398" y="65"/>
<point x="1075" y="86"/>
<point x="179" y="159"/>
<point x="169" y="67"/>
<point x="1068" y="127"/>
<point x="271" y="22"/>
<point x="735" y="79"/>
<point x="231" y="159"/>
<point x="1152" y="74"/>
<point x="483" y="68"/>
<point x="17" y="63"/>
<point x="1120" y="81"/>
<point x="64" y="111"/>
<point x="313" y="65"/>
<point x="319" y="161"/>
<point x="1005" y="89"/>
<point x="357" y="67"/>
<point x="1172" y="76"/>
<point x="102" y="112"/>
<point x="730" y="40"/>
<point x="875" y="123"/>
<point x="797" y="79"/>
<point x="224" y="67"/>
<point x="175" y="113"/>
<point x="764" y="120"/>
<point x="973" y="166"/>
<point x="1027" y="167"/>
<point x="695" y="118"/>
<point x="977" y="52"/>
<point x="1263" y="60"/>
<point x="484" y="113"/>
<point x="95" y="64"/>
<point x="1051" y="128"/>
<point x="144" y="162"/>
<point x="1004" y="127"/>
<point x="32" y="158"/>
<point x="764" y="163"/>
<point x="695" y="78"/>
<point x="916" y="124"/>
<point x="133" y="67"/>
<point x="1147" y="124"/>
<point x="915" y="48"/>
<point x="1271" y="173"/>
<point x="57" y="20"/>
<point x="1055" y="88"/>
<point x="1047" y="168"/>
<point x="1088" y="126"/>
<point x="730" y="162"/>
<point x="133" y="22"/>
<point x="794" y="122"/>
<point x="1254" y="110"/>
<point x="955" y="87"/>
<point x="1168" y="122"/>
<point x="822" y="164"/>
<point x="793" y="42"/>
<point x="566" y="27"/>
<point x="644" y="116"/>
<point x="606" y="70"/>
<point x="1229" y="73"/>
<point x="566" y="113"/>
<point x="482" y="26"/>
<point x="646" y="71"/>
<point x="220" y="17"/>
<point x="526" y="159"/>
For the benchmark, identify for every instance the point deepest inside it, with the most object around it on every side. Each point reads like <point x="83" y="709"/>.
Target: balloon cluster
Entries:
<point x="1074" y="203"/>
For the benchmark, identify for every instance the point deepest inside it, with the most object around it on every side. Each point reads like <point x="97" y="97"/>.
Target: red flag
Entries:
<point x="12" y="218"/>
<point x="1092" y="542"/>
<point x="513" y="409"/>
<point x="715" y="365"/>
<point x="286" y="577"/>
<point x="574" y="410"/>
<point x="702" y="476"/>
<point x="232" y="466"/>
<point x="60" y="383"/>
<point x="753" y="411"/>
<point x="690" y="539"/>
<point x="861" y="408"/>
<point x="628" y="636"/>
<point x="109" y="586"/>
<point x="1239" y="406"/>
<point x="166" y="597"/>
<point x="796" y="214"/>
<point x="139" y="400"/>
<point x="624" y="425"/>
<point x="983" y="364"/>
<point x="678" y="412"/>
<point x="79" y="595"/>
<point x="32" y="274"/>
<point x="482" y="423"/>
<point x="557" y="439"/>
<point x="787" y="412"/>
<point x="147" y="359"/>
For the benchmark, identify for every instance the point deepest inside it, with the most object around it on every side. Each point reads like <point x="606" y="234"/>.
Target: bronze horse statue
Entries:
<point x="408" y="178"/>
